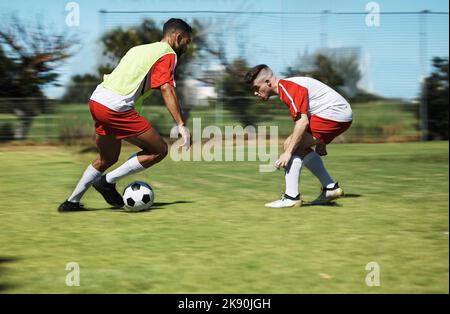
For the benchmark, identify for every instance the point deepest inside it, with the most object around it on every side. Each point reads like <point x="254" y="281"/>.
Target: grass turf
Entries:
<point x="209" y="232"/>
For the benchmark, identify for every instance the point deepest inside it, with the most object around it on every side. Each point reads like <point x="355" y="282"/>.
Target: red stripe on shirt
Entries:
<point x="294" y="96"/>
<point x="163" y="71"/>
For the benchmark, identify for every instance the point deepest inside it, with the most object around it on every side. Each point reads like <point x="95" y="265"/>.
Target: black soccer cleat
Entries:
<point x="328" y="194"/>
<point x="109" y="192"/>
<point x="71" y="207"/>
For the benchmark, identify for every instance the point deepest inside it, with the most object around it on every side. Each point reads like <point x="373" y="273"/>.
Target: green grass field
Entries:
<point x="210" y="233"/>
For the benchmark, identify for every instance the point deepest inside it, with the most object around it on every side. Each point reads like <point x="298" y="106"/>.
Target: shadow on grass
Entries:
<point x="171" y="203"/>
<point x="155" y="206"/>
<point x="352" y="195"/>
<point x="140" y="211"/>
<point x="88" y="209"/>
<point x="5" y="260"/>
<point x="332" y="204"/>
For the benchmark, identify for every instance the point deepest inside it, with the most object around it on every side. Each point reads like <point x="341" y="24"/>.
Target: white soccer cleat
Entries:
<point x="328" y="195"/>
<point x="285" y="202"/>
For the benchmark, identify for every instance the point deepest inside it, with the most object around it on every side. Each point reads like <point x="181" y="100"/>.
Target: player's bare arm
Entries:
<point x="172" y="103"/>
<point x="170" y="98"/>
<point x="299" y="130"/>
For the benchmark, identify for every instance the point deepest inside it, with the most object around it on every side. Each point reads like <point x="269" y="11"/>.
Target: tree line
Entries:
<point x="30" y="58"/>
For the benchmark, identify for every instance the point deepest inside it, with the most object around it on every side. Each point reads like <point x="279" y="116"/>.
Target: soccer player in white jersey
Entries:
<point x="143" y="68"/>
<point x="320" y="114"/>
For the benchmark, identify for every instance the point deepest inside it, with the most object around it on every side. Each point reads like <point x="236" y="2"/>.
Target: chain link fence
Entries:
<point x="392" y="52"/>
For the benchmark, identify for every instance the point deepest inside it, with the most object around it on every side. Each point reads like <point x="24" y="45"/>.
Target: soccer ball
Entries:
<point x="138" y="196"/>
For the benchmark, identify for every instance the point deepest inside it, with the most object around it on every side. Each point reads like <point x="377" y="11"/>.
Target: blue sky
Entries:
<point x="389" y="53"/>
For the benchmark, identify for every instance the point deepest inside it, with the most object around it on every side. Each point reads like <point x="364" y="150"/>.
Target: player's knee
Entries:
<point x="150" y="158"/>
<point x="303" y="152"/>
<point x="163" y="151"/>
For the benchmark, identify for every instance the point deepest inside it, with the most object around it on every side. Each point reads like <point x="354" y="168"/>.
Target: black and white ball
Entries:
<point x="138" y="196"/>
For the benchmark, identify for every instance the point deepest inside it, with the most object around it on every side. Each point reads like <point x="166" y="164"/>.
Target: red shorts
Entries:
<point x="326" y="130"/>
<point x="120" y="124"/>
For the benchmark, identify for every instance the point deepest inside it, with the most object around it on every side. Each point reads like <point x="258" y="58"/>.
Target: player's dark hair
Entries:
<point x="253" y="73"/>
<point x="176" y="25"/>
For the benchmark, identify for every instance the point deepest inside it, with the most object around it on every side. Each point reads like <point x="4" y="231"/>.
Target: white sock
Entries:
<point x="314" y="163"/>
<point x="88" y="177"/>
<point x="132" y="165"/>
<point x="291" y="175"/>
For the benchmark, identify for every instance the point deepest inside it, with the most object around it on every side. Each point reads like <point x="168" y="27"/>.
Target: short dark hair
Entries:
<point x="176" y="25"/>
<point x="253" y="73"/>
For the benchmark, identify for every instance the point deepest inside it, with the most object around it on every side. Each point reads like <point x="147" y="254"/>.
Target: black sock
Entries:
<point x="292" y="198"/>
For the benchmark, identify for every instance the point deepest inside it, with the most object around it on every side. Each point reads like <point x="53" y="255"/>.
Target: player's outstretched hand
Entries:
<point x="321" y="149"/>
<point x="283" y="161"/>
<point x="184" y="132"/>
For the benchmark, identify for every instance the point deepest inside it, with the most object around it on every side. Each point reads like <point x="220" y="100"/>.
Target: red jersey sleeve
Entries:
<point x="163" y="71"/>
<point x="294" y="96"/>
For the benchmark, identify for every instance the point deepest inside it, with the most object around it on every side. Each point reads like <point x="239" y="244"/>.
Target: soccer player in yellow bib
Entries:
<point x="112" y="106"/>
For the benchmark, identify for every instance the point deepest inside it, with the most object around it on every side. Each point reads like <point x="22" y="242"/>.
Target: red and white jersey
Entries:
<point x="309" y="96"/>
<point x="163" y="71"/>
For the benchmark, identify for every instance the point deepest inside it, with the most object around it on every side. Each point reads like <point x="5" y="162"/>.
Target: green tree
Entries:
<point x="341" y="73"/>
<point x="320" y="67"/>
<point x="435" y="95"/>
<point x="116" y="42"/>
<point x="80" y="88"/>
<point x="326" y="72"/>
<point x="237" y="95"/>
<point x="29" y="59"/>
